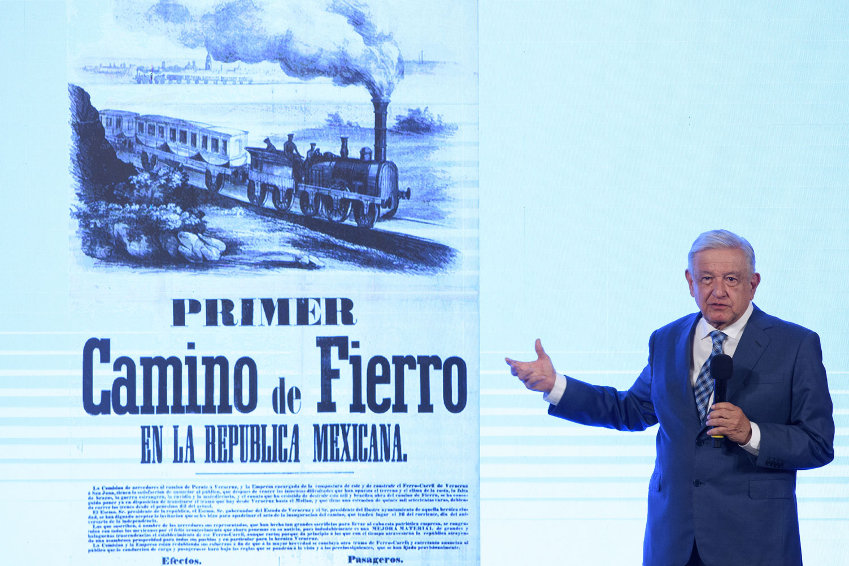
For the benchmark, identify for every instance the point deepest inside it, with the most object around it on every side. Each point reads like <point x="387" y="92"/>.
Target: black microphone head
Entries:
<point x="721" y="367"/>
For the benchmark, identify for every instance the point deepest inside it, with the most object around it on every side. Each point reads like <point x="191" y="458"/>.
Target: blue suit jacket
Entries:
<point x="740" y="509"/>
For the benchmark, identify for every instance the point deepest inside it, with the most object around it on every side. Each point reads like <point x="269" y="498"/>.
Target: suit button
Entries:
<point x="697" y="483"/>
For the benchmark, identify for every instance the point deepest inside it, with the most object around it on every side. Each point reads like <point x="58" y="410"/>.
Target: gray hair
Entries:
<point x="721" y="239"/>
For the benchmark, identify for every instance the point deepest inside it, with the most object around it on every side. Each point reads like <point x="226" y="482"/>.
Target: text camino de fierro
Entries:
<point x="212" y="386"/>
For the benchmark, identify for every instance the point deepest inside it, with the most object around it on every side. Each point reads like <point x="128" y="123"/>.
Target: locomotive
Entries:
<point x="333" y="186"/>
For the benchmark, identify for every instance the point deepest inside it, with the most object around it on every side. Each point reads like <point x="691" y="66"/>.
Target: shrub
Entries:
<point x="418" y="121"/>
<point x="334" y="120"/>
<point x="142" y="212"/>
<point x="165" y="185"/>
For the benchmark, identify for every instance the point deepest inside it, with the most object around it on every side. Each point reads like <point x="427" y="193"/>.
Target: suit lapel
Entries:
<point x="683" y="362"/>
<point x="752" y="345"/>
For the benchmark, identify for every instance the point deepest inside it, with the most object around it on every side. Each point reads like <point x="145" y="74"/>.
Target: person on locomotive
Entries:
<point x="313" y="156"/>
<point x="290" y="149"/>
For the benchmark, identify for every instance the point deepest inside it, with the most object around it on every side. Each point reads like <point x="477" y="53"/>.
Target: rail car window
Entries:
<point x="118" y="122"/>
<point x="204" y="142"/>
<point x="108" y="122"/>
<point x="140" y="127"/>
<point x="172" y="134"/>
<point x="224" y="147"/>
<point x="183" y="135"/>
<point x="162" y="132"/>
<point x="151" y="129"/>
<point x="194" y="139"/>
<point x="215" y="145"/>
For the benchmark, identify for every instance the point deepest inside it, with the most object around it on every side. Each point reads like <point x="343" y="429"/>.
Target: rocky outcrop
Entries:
<point x="94" y="161"/>
<point x="195" y="248"/>
<point x="198" y="248"/>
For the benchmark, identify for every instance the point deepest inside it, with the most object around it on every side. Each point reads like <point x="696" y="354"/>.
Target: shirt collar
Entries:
<point x="704" y="328"/>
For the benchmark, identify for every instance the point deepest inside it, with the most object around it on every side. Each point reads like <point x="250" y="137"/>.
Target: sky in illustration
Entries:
<point x="109" y="28"/>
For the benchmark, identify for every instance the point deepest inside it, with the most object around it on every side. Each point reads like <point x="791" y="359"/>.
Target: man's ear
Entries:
<point x="755" y="281"/>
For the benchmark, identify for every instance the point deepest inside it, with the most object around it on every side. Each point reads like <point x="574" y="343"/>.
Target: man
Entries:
<point x="723" y="502"/>
<point x="290" y="148"/>
<point x="311" y="151"/>
<point x="290" y="152"/>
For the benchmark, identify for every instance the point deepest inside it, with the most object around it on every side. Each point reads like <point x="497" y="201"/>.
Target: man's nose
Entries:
<point x="719" y="289"/>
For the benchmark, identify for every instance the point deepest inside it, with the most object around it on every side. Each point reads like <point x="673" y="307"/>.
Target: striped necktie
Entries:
<point x="704" y="383"/>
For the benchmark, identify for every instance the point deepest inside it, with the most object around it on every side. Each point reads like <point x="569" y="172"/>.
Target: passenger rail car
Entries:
<point x="335" y="187"/>
<point x="211" y="150"/>
<point x="120" y="127"/>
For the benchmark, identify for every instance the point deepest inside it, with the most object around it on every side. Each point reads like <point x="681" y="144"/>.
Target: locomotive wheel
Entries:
<point x="365" y="215"/>
<point x="282" y="202"/>
<point x="309" y="205"/>
<point x="257" y="197"/>
<point x="391" y="206"/>
<point x="337" y="209"/>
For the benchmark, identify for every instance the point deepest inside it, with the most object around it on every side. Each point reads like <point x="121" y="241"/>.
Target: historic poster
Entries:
<point x="271" y="353"/>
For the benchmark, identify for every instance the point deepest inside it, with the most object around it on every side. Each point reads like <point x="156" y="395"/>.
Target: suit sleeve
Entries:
<point x="604" y="406"/>
<point x="807" y="439"/>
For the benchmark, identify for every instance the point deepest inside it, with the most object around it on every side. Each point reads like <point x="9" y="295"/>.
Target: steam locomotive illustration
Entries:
<point x="334" y="186"/>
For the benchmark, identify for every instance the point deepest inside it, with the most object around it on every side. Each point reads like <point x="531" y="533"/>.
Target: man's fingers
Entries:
<point x="534" y="382"/>
<point x="717" y="413"/>
<point x="539" y="349"/>
<point x="515" y="367"/>
<point x="521" y="370"/>
<point x="531" y="373"/>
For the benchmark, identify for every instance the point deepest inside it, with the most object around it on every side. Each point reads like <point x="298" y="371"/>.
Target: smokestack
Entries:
<point x="380" y="109"/>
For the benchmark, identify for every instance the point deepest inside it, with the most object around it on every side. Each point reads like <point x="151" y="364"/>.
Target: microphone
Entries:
<point x="721" y="369"/>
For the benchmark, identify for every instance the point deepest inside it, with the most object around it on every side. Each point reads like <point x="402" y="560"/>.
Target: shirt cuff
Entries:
<point x="559" y="388"/>
<point x="753" y="447"/>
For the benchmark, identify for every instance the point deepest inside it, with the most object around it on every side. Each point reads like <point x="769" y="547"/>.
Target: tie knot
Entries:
<point x="718" y="338"/>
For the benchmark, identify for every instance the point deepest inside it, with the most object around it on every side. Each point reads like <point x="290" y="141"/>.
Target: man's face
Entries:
<point x="722" y="285"/>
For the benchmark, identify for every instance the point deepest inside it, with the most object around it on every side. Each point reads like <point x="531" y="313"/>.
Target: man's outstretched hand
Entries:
<point x="538" y="375"/>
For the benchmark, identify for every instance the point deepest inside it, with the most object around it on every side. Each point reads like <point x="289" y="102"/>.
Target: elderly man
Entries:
<point x="716" y="502"/>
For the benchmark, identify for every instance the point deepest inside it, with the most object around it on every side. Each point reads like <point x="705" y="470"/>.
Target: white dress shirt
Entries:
<point x="702" y="345"/>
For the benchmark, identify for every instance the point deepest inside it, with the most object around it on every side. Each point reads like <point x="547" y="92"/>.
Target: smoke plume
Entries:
<point x="338" y="39"/>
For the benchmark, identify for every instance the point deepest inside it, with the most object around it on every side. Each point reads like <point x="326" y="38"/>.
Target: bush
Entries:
<point x="418" y="121"/>
<point x="165" y="185"/>
<point x="141" y="217"/>
<point x="334" y="120"/>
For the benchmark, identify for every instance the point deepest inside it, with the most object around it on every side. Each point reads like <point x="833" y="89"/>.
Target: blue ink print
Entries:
<point x="182" y="163"/>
